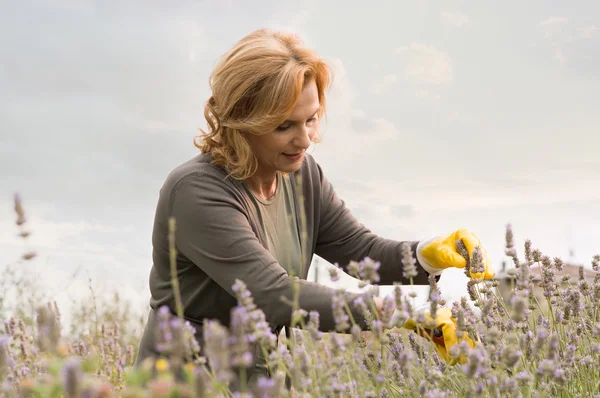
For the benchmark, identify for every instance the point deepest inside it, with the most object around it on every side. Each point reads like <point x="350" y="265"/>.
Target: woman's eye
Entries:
<point x="312" y="119"/>
<point x="283" y="128"/>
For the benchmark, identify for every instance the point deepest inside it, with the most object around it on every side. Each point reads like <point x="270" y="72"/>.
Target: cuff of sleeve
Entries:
<point x="430" y="269"/>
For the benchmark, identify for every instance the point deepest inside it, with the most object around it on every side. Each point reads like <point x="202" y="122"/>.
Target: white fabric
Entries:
<point x="424" y="263"/>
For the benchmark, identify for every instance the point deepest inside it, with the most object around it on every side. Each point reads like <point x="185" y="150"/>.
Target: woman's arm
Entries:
<point x="342" y="238"/>
<point x="212" y="231"/>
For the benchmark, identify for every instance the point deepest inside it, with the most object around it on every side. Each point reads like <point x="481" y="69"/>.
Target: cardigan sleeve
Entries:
<point x="341" y="238"/>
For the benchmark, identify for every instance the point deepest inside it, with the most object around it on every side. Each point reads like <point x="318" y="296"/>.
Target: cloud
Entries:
<point x="559" y="56"/>
<point x="294" y="19"/>
<point x="557" y="28"/>
<point x="96" y="119"/>
<point x="456" y="18"/>
<point x="424" y="94"/>
<point x="587" y="32"/>
<point x="388" y="79"/>
<point x="564" y="35"/>
<point x="553" y="21"/>
<point x="350" y="127"/>
<point x="427" y="64"/>
<point x="402" y="211"/>
<point x="67" y="245"/>
<point x="381" y="82"/>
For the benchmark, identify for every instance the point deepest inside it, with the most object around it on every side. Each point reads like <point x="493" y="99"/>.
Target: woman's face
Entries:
<point x="283" y="148"/>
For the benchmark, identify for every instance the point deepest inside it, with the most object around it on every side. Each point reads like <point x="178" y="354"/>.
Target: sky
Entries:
<point x="442" y="115"/>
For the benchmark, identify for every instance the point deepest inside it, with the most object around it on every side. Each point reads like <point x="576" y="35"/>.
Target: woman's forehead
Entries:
<point x="308" y="103"/>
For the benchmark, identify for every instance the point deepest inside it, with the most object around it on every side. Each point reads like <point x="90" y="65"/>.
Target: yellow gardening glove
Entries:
<point x="442" y="334"/>
<point x="440" y="252"/>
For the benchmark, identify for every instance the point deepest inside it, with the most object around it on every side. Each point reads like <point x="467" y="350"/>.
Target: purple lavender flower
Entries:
<point x="19" y="210"/>
<point x="377" y="328"/>
<point x="334" y="273"/>
<point x="476" y="365"/>
<point x="528" y="255"/>
<point x="24" y="371"/>
<point x="258" y="326"/>
<point x="558" y="316"/>
<point x="4" y="341"/>
<point x="398" y="294"/>
<point x="575" y="302"/>
<point x="548" y="282"/>
<point x="477" y="261"/>
<point x="523" y="278"/>
<point x="175" y="338"/>
<point x="243" y="295"/>
<point x="545" y="368"/>
<point x="337" y="344"/>
<point x="369" y="268"/>
<point x="409" y="269"/>
<point x="519" y="306"/>
<point x="265" y="387"/>
<point x="543" y="321"/>
<point x="596" y="263"/>
<point x="340" y="316"/>
<point x="216" y="338"/>
<point x="354" y="269"/>
<point x="510" y="246"/>
<point x="553" y="343"/>
<point x="239" y="344"/>
<point x="356" y="331"/>
<point x="131" y="354"/>
<point x="509" y="387"/>
<point x="405" y="360"/>
<point x="569" y="355"/>
<point x="388" y="308"/>
<point x="511" y="355"/>
<point x="539" y="341"/>
<point x="312" y="325"/>
<point x="49" y="330"/>
<point x="559" y="375"/>
<point x="72" y="377"/>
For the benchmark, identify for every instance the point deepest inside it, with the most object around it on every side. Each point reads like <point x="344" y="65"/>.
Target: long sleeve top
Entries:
<point x="219" y="239"/>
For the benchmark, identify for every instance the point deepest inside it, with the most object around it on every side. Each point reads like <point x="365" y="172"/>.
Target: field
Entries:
<point x="522" y="347"/>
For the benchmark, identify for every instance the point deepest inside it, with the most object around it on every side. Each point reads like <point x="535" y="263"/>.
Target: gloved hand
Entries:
<point x="440" y="252"/>
<point x="442" y="334"/>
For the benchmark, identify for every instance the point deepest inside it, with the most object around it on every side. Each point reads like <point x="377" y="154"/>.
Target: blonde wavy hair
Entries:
<point x="255" y="87"/>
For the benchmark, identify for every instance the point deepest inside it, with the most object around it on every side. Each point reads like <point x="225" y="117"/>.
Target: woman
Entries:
<point x="238" y="207"/>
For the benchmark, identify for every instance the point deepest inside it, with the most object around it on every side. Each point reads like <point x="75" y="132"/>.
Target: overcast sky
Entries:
<point x="443" y="115"/>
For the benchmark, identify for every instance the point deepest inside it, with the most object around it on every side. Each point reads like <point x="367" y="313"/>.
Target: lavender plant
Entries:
<point x="541" y="339"/>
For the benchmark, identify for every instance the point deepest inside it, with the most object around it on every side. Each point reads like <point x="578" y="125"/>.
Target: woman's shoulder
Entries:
<point x="198" y="169"/>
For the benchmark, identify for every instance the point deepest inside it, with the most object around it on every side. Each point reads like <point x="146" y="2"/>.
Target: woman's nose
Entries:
<point x="304" y="137"/>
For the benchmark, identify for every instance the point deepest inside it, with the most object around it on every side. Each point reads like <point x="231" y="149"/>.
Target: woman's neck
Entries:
<point x="263" y="186"/>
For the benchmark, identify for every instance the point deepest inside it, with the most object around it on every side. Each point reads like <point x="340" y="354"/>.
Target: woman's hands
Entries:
<point x="441" y="331"/>
<point x="441" y="252"/>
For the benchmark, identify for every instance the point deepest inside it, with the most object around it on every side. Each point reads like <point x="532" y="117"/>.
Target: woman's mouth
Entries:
<point x="294" y="156"/>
